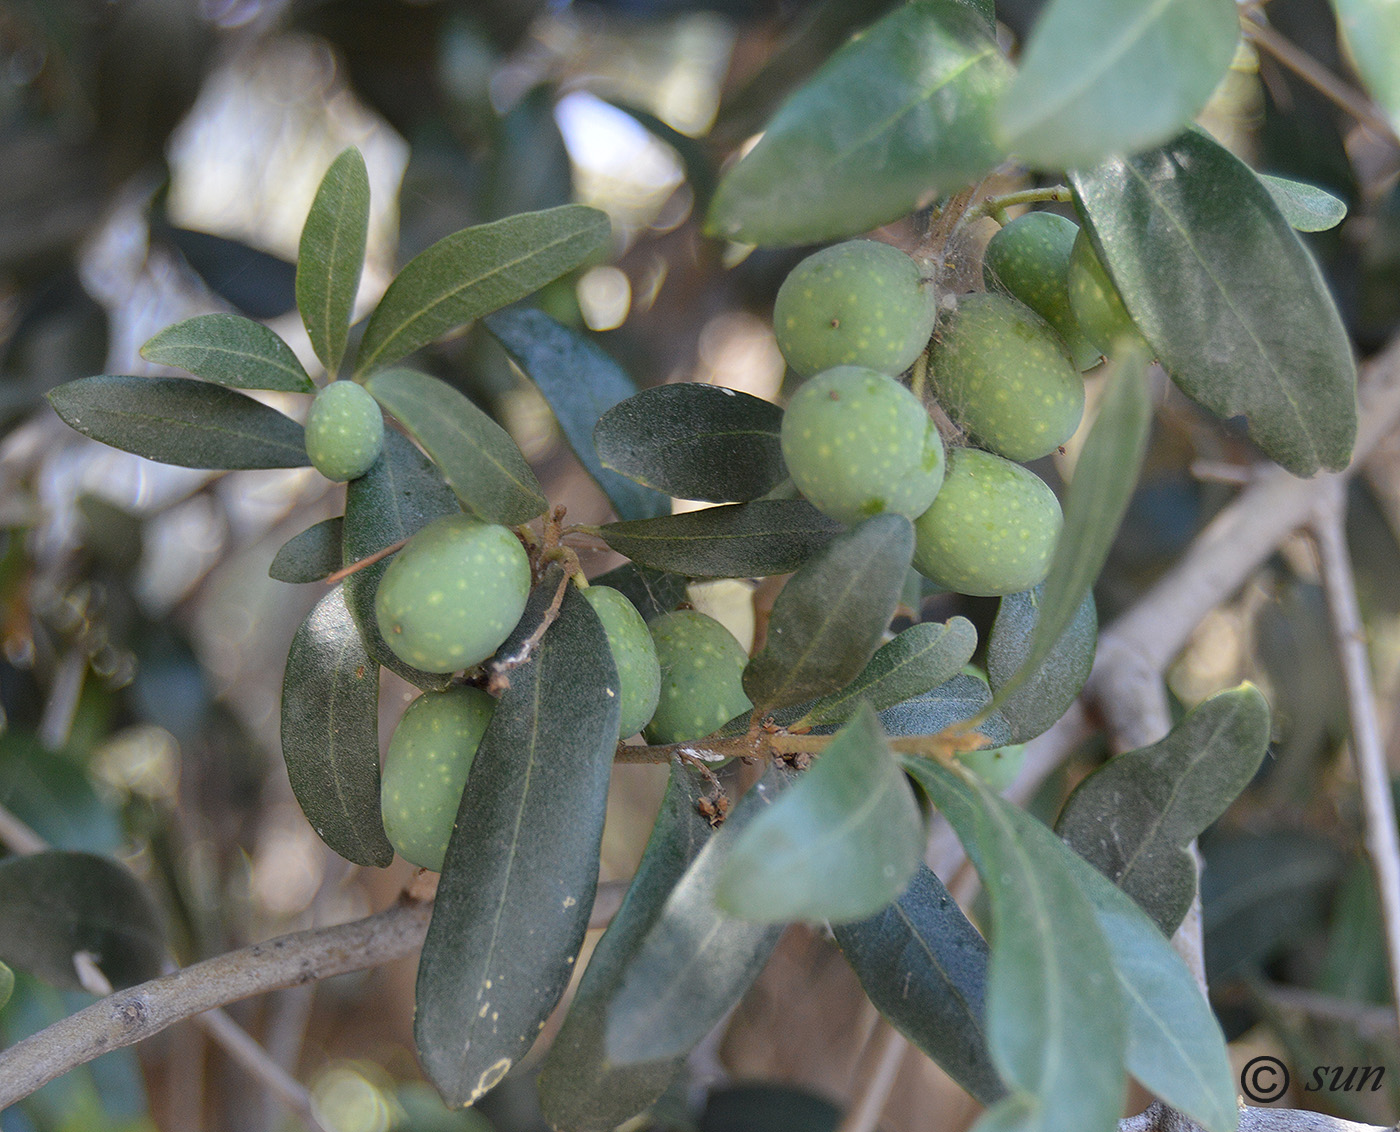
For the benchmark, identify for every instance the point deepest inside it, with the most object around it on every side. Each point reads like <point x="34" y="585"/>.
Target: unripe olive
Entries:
<point x="857" y="443"/>
<point x="859" y="303"/>
<point x="992" y="529"/>
<point x="1028" y="259"/>
<point x="344" y="431"/>
<point x="702" y="668"/>
<point x="1002" y="373"/>
<point x="425" y="769"/>
<point x="1098" y="308"/>
<point x="997" y="766"/>
<point x="453" y="594"/>
<point x="634" y="656"/>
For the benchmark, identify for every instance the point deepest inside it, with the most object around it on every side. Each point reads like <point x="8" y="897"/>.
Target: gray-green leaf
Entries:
<point x="330" y="733"/>
<point x="474" y="272"/>
<point x="953" y="701"/>
<point x="840" y="845"/>
<point x="1045" y="694"/>
<point x="1307" y="208"/>
<point x="229" y="349"/>
<point x="480" y="461"/>
<point x="310" y="556"/>
<point x="332" y="256"/>
<point x="1371" y="32"/>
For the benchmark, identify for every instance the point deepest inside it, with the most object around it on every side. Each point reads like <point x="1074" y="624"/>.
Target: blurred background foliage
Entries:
<point x="160" y="156"/>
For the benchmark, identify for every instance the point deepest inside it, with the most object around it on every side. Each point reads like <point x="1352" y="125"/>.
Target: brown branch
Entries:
<point x="355" y="567"/>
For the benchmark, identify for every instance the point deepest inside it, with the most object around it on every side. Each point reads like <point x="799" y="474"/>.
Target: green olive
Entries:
<point x="634" y="656"/>
<point x="702" y="668"/>
<point x="344" y="431"/>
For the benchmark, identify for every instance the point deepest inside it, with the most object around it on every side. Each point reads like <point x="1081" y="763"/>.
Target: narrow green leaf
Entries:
<point x="1045" y="694"/>
<point x="1134" y="817"/>
<point x="522" y="864"/>
<point x="330" y="733"/>
<point x="229" y="349"/>
<point x="1055" y="1016"/>
<point x="739" y="540"/>
<point x="918" y="660"/>
<point x="580" y="1088"/>
<point x="829" y="618"/>
<point x="479" y="460"/>
<point x="7" y="984"/>
<point x="332" y="256"/>
<point x="924" y="966"/>
<point x="174" y="420"/>
<point x="695" y="441"/>
<point x="695" y="962"/>
<point x="840" y="845"/>
<point x="474" y="272"/>
<point x="1307" y="208"/>
<point x="1205" y="262"/>
<point x="1100" y="78"/>
<point x="401" y="493"/>
<point x="581" y="383"/>
<point x="311" y="556"/>
<point x="1105" y="477"/>
<point x="900" y="114"/>
<point x="59" y="902"/>
<point x="1370" y="31"/>
<point x="954" y="701"/>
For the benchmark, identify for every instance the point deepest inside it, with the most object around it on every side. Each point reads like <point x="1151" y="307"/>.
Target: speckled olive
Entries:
<point x="702" y="668"/>
<point x="1028" y="259"/>
<point x="344" y="431"/>
<point x="859" y="303"/>
<point x="1098" y="308"/>
<point x="1003" y="374"/>
<point x="857" y="443"/>
<point x="453" y="594"/>
<point x="992" y="529"/>
<point x="425" y="769"/>
<point x="634" y="656"/>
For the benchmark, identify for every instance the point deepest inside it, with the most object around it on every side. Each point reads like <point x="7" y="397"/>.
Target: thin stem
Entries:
<point x="1349" y="634"/>
<point x="997" y="205"/>
<point x="18" y="836"/>
<point x="355" y="567"/>
<point x="1317" y="76"/>
<point x="886" y="1048"/>
<point x="235" y="1041"/>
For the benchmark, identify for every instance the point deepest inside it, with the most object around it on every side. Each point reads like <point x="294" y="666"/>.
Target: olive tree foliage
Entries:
<point x="858" y="736"/>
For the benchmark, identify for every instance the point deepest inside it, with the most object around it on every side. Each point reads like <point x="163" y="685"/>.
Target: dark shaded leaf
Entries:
<point x="522" y="864"/>
<point x="840" y="845"/>
<point x="1205" y="262"/>
<point x="695" y="962"/>
<point x="479" y="460"/>
<point x="1045" y="694"/>
<point x="753" y="1107"/>
<point x="400" y="494"/>
<point x="1100" y="78"/>
<point x="579" y="1087"/>
<point x="739" y="540"/>
<point x="829" y="618"/>
<point x="653" y="592"/>
<point x="695" y="441"/>
<point x="924" y="967"/>
<point x="332" y="256"/>
<point x="1134" y="817"/>
<point x="260" y="285"/>
<point x="918" y="660"/>
<point x="901" y="113"/>
<point x="229" y="349"/>
<point x="57" y="903"/>
<point x="330" y="733"/>
<point x="959" y="699"/>
<point x="581" y="383"/>
<point x="192" y="424"/>
<point x="1307" y="208"/>
<point x="311" y="556"/>
<point x="1105" y="476"/>
<point x="474" y="272"/>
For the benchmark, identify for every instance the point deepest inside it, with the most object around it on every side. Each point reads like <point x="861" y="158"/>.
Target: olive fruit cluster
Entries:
<point x="1004" y="366"/>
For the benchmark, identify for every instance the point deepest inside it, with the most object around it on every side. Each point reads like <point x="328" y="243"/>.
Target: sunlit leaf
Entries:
<point x="1306" y="207"/>
<point x="229" y="349"/>
<point x="1045" y="694"/>
<point x="332" y="255"/>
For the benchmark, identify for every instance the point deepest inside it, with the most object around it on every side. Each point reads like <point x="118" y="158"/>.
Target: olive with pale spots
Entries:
<point x="1098" y="308"/>
<point x="702" y="669"/>
<point x="633" y="654"/>
<point x="992" y="529"/>
<point x="997" y="766"/>
<point x="1002" y="373"/>
<point x="1028" y="259"/>
<point x="425" y="770"/>
<point x="453" y="594"/>
<point x="344" y="431"/>
<point x="859" y="303"/>
<point x="857" y="443"/>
